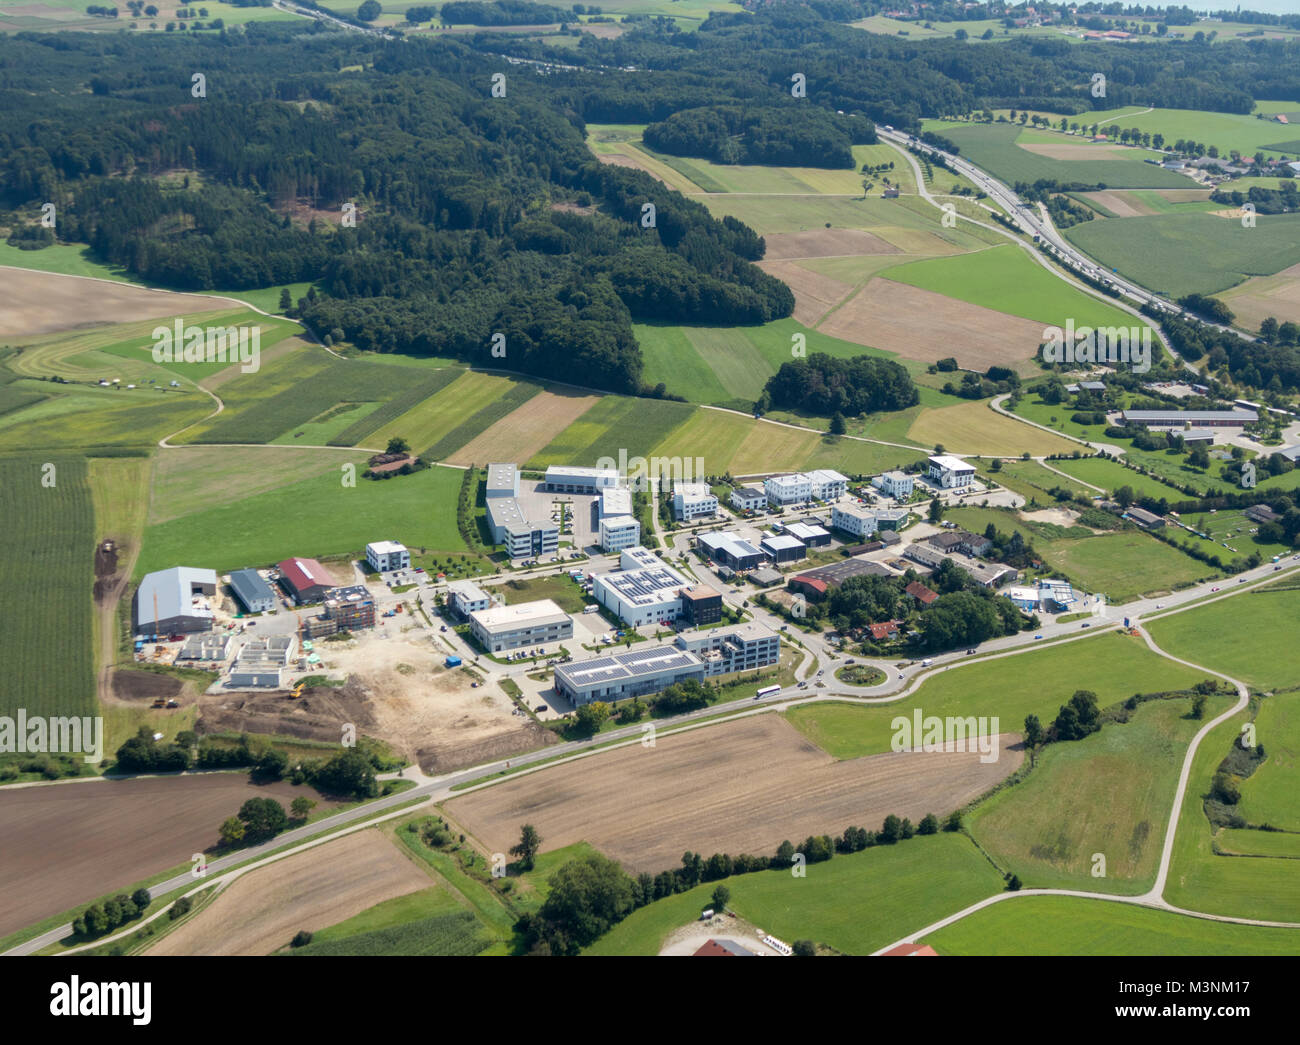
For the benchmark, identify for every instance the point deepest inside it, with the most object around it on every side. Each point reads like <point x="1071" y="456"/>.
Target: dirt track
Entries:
<point x="742" y="787"/>
<point x="65" y="844"/>
<point x="262" y="910"/>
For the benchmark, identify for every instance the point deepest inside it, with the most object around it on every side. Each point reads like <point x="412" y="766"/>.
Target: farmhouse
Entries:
<point x="1145" y="519"/>
<point x="812" y="536"/>
<point x="386" y="556"/>
<point x="568" y="479"/>
<point x="253" y="593"/>
<point x="1237" y="417"/>
<point x="466" y="597"/>
<point x="173" y="600"/>
<point x="788" y="489"/>
<point x="645" y="590"/>
<point x="951" y="472"/>
<point x="305" y="579"/>
<point x="693" y="501"/>
<point x="784" y="548"/>
<point x="884" y="630"/>
<point x="898" y="485"/>
<point x="730" y="550"/>
<point x="853" y="519"/>
<point x="522" y="624"/>
<point x="748" y="499"/>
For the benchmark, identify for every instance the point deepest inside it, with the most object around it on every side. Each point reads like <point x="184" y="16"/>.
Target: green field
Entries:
<point x="453" y="933"/>
<point x="371" y="421"/>
<point x="1178" y="254"/>
<point x="613" y="423"/>
<point x="1111" y="475"/>
<point x="1247" y="842"/>
<point x="1268" y="795"/>
<point x="510" y="399"/>
<point x="856" y="903"/>
<point x="1069" y="925"/>
<point x="1226" y="526"/>
<point x="1032" y="481"/>
<point x="1234" y="635"/>
<point x="1109" y="793"/>
<point x="46" y="576"/>
<point x="1227" y="131"/>
<point x="561" y="589"/>
<point x="313" y="517"/>
<point x="1113" y="666"/>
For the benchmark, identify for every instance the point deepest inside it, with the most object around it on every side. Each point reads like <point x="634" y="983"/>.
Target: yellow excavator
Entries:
<point x="297" y="692"/>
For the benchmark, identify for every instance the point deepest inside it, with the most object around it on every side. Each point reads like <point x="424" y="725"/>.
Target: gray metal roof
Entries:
<point x="173" y="590"/>
<point x="249" y="587"/>
<point x="1192" y="415"/>
<point x="627" y="665"/>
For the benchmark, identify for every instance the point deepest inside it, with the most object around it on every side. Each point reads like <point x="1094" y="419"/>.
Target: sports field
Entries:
<point x="1114" y="666"/>
<point x="1068" y="925"/>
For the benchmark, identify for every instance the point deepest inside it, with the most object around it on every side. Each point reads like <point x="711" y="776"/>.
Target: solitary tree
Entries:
<point x="398" y="445"/>
<point x="529" y="842"/>
<point x="838" y="427"/>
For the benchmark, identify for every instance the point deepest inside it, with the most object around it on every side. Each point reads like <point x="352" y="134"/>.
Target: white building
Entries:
<point x="523" y="537"/>
<point x="467" y="597"/>
<point x="748" y="499"/>
<point x="570" y="479"/>
<point x="739" y="647"/>
<point x="693" y="501"/>
<point x="951" y="472"/>
<point x="788" y="489"/>
<point x="645" y="590"/>
<point x="385" y="556"/>
<point x="619" y="528"/>
<point x="898" y="485"/>
<point x="827" y="484"/>
<point x="502" y="481"/>
<point x="521" y="624"/>
<point x="854" y="519"/>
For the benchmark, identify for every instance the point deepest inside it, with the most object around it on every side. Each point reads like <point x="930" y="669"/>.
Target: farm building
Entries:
<point x="730" y="550"/>
<point x="1197" y="437"/>
<point x="1145" y="519"/>
<point x="702" y="605"/>
<point x="951" y="472"/>
<point x="386" y="556"/>
<point x="898" y="485"/>
<point x="784" y="548"/>
<point x="568" y="479"/>
<point x="645" y="590"/>
<point x="1237" y="417"/>
<point x="921" y="593"/>
<point x="693" y="501"/>
<point x="305" y="579"/>
<point x="252" y="591"/>
<point x="174" y="600"/>
<point x="522" y="624"/>
<point x="729" y="948"/>
<point x="811" y="535"/>
<point x="1261" y="513"/>
<point x="466" y="597"/>
<point x="748" y="499"/>
<point x="854" y="519"/>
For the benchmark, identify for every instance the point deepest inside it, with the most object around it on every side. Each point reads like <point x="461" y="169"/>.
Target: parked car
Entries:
<point x="970" y="651"/>
<point x="540" y="707"/>
<point x="1038" y="636"/>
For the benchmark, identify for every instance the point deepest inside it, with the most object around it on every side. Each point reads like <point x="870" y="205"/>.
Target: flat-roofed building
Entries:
<point x="737" y="647"/>
<point x="501" y="628"/>
<point x="466" y="597"/>
<point x="645" y="591"/>
<point x="570" y="479"/>
<point x="701" y="605"/>
<point x="636" y="672"/>
<point x="386" y="556"/>
<point x="898" y="485"/>
<point x="950" y="472"/>
<point x="523" y="537"/>
<point x="502" y="480"/>
<point x="618" y="532"/>
<point x="1237" y="417"/>
<point x="890" y="519"/>
<point x="176" y="600"/>
<point x="351" y="607"/>
<point x="811" y="535"/>
<point x="827" y="484"/>
<point x="693" y="501"/>
<point x="854" y="519"/>
<point x="748" y="499"/>
<point x="730" y="550"/>
<point x="784" y="548"/>
<point x="788" y="489"/>
<point x="262" y="662"/>
<point x="252" y="591"/>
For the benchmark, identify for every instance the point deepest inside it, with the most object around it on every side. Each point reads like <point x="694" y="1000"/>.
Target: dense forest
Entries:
<point x="787" y="136"/>
<point x="822" y="384"/>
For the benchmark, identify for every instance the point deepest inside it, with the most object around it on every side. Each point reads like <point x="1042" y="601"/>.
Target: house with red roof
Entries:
<point x="921" y="593"/>
<point x="305" y="579"/>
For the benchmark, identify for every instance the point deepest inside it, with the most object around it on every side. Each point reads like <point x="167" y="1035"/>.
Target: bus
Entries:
<point x="766" y="691"/>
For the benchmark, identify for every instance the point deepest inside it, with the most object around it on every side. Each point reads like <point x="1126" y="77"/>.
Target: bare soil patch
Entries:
<point x="65" y="844"/>
<point x="824" y="243"/>
<point x="46" y="302"/>
<point x="136" y="686"/>
<point x="261" y="911"/>
<point x="1121" y="204"/>
<point x="920" y="324"/>
<point x="619" y="159"/>
<point x="738" y="787"/>
<point x="814" y="294"/>
<point x="1259" y="297"/>
<point x="522" y="433"/>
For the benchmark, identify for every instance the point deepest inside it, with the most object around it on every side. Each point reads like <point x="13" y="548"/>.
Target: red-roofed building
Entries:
<point x="921" y="593"/>
<point x="911" y="950"/>
<point x="723" y="949"/>
<point x="884" y="630"/>
<point x="812" y="587"/>
<point x="305" y="579"/>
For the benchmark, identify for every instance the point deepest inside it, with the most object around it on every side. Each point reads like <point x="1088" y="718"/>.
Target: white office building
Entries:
<point x="693" y="501"/>
<point x="636" y="672"/>
<point x="951" y="472"/>
<point x="898" y="485"/>
<point x="619" y="528"/>
<point x="386" y="556"/>
<point x="522" y="536"/>
<point x="570" y="479"/>
<point x="788" y="489"/>
<point x="827" y="484"/>
<point x="646" y="590"/>
<point x="466" y="597"/>
<point x="501" y="628"/>
<point x="748" y="499"/>
<point x="740" y="647"/>
<point x="502" y="481"/>
<point x="854" y="519"/>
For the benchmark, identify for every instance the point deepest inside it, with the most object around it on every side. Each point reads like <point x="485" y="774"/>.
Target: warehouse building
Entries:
<point x="827" y="484"/>
<point x="952" y="473"/>
<point x="466" y="597"/>
<point x="306" y="580"/>
<point x="252" y="591"/>
<point x="635" y="672"/>
<point x="701" y="605"/>
<point x="898" y="485"/>
<point x="502" y="481"/>
<point x="175" y="601"/>
<point x="788" y="489"/>
<point x="1237" y="417"/>
<point x="1145" y="519"/>
<point x="730" y="550"/>
<point x="693" y="501"/>
<point x="521" y="624"/>
<point x="645" y="590"/>
<point x="386" y="556"/>
<point x="569" y="479"/>
<point x="816" y="584"/>
<point x="987" y="575"/>
<point x="854" y="519"/>
<point x="784" y="548"/>
<point x="748" y="499"/>
<point x="811" y="535"/>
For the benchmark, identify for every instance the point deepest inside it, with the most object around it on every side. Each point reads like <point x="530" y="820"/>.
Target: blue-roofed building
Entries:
<point x="252" y="591"/>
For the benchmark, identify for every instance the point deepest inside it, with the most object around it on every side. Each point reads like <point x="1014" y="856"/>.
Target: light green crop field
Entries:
<point x="973" y="427"/>
<point x="1268" y="795"/>
<point x="1069" y="925"/>
<point x="1226" y="131"/>
<point x="994" y="147"/>
<point x="1267" y="888"/>
<point x="1235" y="635"/>
<point x="1246" y="842"/>
<point x="1032" y="481"/>
<point x="1112" y="665"/>
<point x="1110" y="475"/>
<point x="1178" y="254"/>
<point x="613" y="423"/>
<point x="1108" y="794"/>
<point x="314" y="517"/>
<point x="129" y="418"/>
<point x="1008" y="280"/>
<point x="855" y="903"/>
